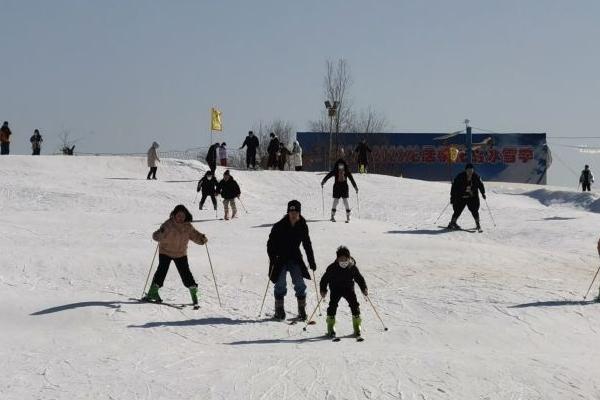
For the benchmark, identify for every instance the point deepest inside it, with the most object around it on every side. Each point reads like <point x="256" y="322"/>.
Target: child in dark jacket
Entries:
<point x="229" y="190"/>
<point x="208" y="186"/>
<point x="341" y="276"/>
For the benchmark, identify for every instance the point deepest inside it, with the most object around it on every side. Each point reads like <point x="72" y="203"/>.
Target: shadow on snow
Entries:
<point x="556" y="303"/>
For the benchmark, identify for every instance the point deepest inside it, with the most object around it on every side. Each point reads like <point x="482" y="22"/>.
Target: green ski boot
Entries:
<point x="153" y="294"/>
<point x="330" y="325"/>
<point x="356" y="324"/>
<point x="194" y="294"/>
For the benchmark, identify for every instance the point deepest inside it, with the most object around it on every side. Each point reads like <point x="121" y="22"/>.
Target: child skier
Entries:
<point x="173" y="237"/>
<point x="208" y="185"/>
<point x="340" y="186"/>
<point x="229" y="190"/>
<point x="340" y="276"/>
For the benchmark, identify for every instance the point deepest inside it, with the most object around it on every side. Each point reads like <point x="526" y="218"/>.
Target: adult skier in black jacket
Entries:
<point x="465" y="192"/>
<point x="363" y="151"/>
<point x="208" y="186"/>
<point x="340" y="276"/>
<point x="341" y="172"/>
<point x="251" y="144"/>
<point x="272" y="150"/>
<point x="586" y="179"/>
<point x="283" y="248"/>
<point x="211" y="157"/>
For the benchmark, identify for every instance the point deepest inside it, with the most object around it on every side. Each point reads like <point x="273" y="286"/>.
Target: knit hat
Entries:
<point x="294" y="205"/>
<point x="342" y="251"/>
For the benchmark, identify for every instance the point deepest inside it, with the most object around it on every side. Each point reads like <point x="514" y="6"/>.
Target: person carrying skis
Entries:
<point x="272" y="151"/>
<point x="223" y="154"/>
<point x="586" y="179"/>
<point x="283" y="249"/>
<point x="341" y="172"/>
<point x="208" y="186"/>
<point x="465" y="193"/>
<point x="340" y="276"/>
<point x="251" y="143"/>
<point x="152" y="160"/>
<point x="363" y="158"/>
<point x="173" y="237"/>
<point x="36" y="143"/>
<point x="211" y="157"/>
<point x="229" y="190"/>
<point x="5" y="134"/>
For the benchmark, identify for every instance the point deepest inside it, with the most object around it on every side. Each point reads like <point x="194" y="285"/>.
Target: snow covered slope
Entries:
<point x="496" y="315"/>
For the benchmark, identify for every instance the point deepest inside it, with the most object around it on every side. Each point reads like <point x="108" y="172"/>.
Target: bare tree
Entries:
<point x="67" y="145"/>
<point x="284" y="130"/>
<point x="369" y="121"/>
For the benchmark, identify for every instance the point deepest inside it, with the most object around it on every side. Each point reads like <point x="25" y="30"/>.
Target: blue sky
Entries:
<point x="121" y="74"/>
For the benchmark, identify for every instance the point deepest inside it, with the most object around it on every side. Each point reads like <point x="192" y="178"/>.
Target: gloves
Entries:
<point x="365" y="292"/>
<point x="356" y="190"/>
<point x="203" y="239"/>
<point x="313" y="267"/>
<point x="483" y="195"/>
<point x="322" y="184"/>
<point x="323" y="293"/>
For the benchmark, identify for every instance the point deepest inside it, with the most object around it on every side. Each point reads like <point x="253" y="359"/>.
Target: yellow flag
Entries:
<point x="215" y="120"/>
<point x="453" y="154"/>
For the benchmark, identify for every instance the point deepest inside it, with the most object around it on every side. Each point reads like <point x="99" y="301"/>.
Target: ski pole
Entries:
<point x="213" y="274"/>
<point x="323" y="200"/>
<point x="242" y="203"/>
<point x="376" y="313"/>
<point x="150" y="270"/>
<point x="316" y="291"/>
<point x="442" y="213"/>
<point x="588" y="291"/>
<point x="313" y="314"/>
<point x="358" y="203"/>
<point x="195" y="198"/>
<point x="490" y="211"/>
<point x="266" y="290"/>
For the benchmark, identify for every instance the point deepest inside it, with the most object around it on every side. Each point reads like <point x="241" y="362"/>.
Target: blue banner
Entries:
<point x="514" y="157"/>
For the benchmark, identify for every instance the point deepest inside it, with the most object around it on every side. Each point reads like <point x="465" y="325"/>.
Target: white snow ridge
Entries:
<point x="492" y="315"/>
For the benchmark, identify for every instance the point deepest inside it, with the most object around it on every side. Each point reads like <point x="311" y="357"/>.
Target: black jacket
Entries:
<point x="284" y="245"/>
<point x="208" y="186"/>
<point x="228" y="189"/>
<point x="340" y="186"/>
<point x="273" y="146"/>
<point x="342" y="279"/>
<point x="252" y="143"/>
<point x="460" y="187"/>
<point x="362" y="149"/>
<point x="211" y="155"/>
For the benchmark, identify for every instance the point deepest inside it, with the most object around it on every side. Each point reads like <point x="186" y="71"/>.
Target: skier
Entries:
<point x="5" y="138"/>
<point x="223" y="154"/>
<point x="363" y="158"/>
<point x="297" y="156"/>
<point x="340" y="276"/>
<point x="283" y="248"/>
<point x="229" y="190"/>
<point x="211" y="157"/>
<point x="251" y="143"/>
<point x="340" y="187"/>
<point x="173" y="237"/>
<point x="208" y="186"/>
<point x="465" y="192"/>
<point x="36" y="142"/>
<point x="152" y="159"/>
<point x="586" y="179"/>
<point x="272" y="151"/>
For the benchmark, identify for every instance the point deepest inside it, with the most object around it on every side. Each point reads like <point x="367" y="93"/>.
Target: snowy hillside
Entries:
<point x="492" y="315"/>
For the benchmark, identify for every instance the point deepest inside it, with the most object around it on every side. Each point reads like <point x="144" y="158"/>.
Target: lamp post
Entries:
<point x="469" y="142"/>
<point x="331" y="112"/>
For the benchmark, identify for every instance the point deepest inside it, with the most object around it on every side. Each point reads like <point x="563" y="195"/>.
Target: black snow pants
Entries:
<point x="182" y="267"/>
<point x="212" y="198"/>
<point x="472" y="203"/>
<point x="349" y="295"/>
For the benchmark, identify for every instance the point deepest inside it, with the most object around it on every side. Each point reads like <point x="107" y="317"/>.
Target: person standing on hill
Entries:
<point x="251" y="144"/>
<point x="465" y="193"/>
<point x="211" y="157"/>
<point x="272" y="151"/>
<point x="283" y="249"/>
<point x="173" y="237"/>
<point x="5" y="134"/>
<point x="36" y="142"/>
<point x="297" y="156"/>
<point x="342" y="174"/>
<point x="229" y="191"/>
<point x="223" y="154"/>
<point x="363" y="151"/>
<point x="152" y="160"/>
<point x="586" y="179"/>
<point x="208" y="185"/>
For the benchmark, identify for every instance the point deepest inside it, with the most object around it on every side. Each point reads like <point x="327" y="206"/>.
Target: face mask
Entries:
<point x="344" y="264"/>
<point x="340" y="167"/>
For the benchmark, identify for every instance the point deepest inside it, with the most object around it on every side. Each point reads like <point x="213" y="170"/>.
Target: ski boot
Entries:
<point x="332" y="215"/>
<point x="194" y="294"/>
<point x="477" y="226"/>
<point x="279" y="310"/>
<point x="226" y="217"/>
<point x="453" y="225"/>
<point x="153" y="295"/>
<point x="330" y="325"/>
<point x="233" y="214"/>
<point x="347" y="216"/>
<point x="302" y="309"/>
<point x="356" y="321"/>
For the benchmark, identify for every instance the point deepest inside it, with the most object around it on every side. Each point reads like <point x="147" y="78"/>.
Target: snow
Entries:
<point x="492" y="315"/>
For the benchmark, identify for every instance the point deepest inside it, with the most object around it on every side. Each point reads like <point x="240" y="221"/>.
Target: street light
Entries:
<point x="331" y="112"/>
